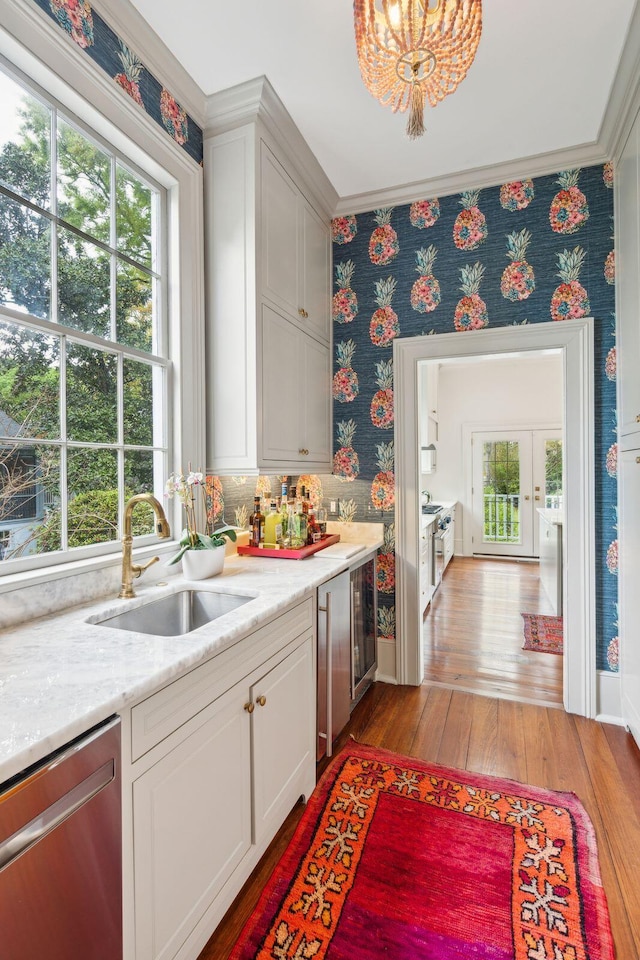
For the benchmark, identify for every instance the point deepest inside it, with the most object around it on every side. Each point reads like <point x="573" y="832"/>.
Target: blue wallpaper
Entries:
<point x="518" y="253"/>
<point x="89" y="31"/>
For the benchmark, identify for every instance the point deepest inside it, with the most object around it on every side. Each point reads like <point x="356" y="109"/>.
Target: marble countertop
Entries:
<point x="61" y="674"/>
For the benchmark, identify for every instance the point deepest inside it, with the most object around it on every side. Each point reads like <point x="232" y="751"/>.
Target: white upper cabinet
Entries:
<point x="268" y="249"/>
<point x="628" y="288"/>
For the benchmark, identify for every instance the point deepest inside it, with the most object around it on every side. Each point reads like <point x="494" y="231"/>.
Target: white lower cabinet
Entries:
<point x="212" y="794"/>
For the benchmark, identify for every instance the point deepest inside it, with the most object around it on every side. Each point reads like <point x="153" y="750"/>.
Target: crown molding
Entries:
<point x="256" y="101"/>
<point x="624" y="99"/>
<point x="130" y="26"/>
<point x="475" y="178"/>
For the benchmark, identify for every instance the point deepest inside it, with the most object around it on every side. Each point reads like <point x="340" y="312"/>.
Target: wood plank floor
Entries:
<point x="473" y="632"/>
<point x="534" y="744"/>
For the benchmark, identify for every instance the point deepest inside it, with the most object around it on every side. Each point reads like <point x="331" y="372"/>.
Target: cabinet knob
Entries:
<point x="249" y="707"/>
<point x="638" y="418"/>
<point x="303" y="452"/>
<point x="637" y="459"/>
<point x="262" y="700"/>
<point x="303" y="313"/>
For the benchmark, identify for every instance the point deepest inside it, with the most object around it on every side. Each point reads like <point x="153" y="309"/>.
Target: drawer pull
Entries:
<point x="303" y="313"/>
<point x="303" y="452"/>
<point x="249" y="707"/>
<point x="262" y="700"/>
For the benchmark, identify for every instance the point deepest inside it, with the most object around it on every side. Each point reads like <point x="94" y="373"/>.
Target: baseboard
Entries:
<point x="386" y="671"/>
<point x="608" y="698"/>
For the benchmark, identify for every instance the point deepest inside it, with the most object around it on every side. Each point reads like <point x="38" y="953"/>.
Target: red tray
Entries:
<point x="289" y="553"/>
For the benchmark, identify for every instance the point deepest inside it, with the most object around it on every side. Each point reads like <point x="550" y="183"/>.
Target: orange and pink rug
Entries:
<point x="396" y="859"/>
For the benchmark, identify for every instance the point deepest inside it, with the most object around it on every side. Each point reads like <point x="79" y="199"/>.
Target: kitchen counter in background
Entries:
<point x="60" y="675"/>
<point x="550" y="522"/>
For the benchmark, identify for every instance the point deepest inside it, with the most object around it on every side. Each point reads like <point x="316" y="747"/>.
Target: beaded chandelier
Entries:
<point x="409" y="50"/>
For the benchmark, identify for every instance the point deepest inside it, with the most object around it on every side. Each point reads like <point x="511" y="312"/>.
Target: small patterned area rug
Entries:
<point x="542" y="634"/>
<point x="396" y="859"/>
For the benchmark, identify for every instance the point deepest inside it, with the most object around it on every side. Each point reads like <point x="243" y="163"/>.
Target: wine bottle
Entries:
<point x="257" y="524"/>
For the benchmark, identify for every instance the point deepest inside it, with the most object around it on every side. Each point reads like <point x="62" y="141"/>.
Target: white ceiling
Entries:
<point x="540" y="82"/>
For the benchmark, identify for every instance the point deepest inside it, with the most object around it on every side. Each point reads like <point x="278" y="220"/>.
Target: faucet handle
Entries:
<point x="138" y="569"/>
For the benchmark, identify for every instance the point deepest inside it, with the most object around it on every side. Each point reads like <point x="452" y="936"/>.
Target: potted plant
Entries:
<point x="202" y="554"/>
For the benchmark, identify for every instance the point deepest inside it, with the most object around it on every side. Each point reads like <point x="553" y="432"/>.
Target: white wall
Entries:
<point x="505" y="391"/>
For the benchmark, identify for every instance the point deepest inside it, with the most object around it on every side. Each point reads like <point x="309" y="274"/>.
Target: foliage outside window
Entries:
<point x="82" y="362"/>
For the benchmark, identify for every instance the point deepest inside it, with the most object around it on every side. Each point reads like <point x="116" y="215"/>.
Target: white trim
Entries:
<point x="575" y="338"/>
<point x="256" y="100"/>
<point x="609" y="698"/>
<point x="624" y="100"/>
<point x="476" y="178"/>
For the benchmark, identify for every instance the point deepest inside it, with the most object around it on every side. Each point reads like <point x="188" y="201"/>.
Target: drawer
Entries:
<point x="172" y="706"/>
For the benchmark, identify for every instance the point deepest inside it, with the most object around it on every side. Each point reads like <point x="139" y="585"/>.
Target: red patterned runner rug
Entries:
<point x="403" y="860"/>
<point x="542" y="634"/>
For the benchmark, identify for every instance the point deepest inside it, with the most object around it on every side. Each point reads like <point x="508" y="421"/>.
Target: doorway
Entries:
<point x="514" y="473"/>
<point x="574" y="339"/>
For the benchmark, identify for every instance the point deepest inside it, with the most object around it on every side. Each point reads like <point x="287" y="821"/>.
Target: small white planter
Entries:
<point x="202" y="564"/>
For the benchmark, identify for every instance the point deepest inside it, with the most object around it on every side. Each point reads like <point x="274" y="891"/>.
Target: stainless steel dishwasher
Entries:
<point x="61" y="854"/>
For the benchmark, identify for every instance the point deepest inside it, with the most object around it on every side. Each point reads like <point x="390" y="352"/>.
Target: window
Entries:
<point x="83" y="359"/>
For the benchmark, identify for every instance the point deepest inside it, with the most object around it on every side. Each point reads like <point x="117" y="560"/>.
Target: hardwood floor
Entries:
<point x="534" y="744"/>
<point x="472" y="633"/>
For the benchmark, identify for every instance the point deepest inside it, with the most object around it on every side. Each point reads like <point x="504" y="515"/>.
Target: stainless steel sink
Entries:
<point x="176" y="614"/>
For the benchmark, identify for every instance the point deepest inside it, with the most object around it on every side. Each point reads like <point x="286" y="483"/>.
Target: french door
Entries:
<point x="515" y="472"/>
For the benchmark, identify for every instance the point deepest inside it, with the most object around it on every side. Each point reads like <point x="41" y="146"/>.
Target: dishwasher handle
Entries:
<point x="47" y="821"/>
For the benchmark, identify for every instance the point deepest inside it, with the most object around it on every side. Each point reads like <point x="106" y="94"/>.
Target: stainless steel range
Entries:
<point x="442" y="534"/>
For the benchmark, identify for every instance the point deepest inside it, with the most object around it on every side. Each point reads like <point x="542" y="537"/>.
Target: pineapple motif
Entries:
<point x="383" y="244"/>
<point x="424" y="213"/>
<point x="471" y="311"/>
<point x="345" y="381"/>
<point x="129" y="80"/>
<point x="518" y="281"/>
<point x="569" y="208"/>
<point x="386" y="623"/>
<point x="612" y="557"/>
<point x="516" y="195"/>
<point x="383" y="487"/>
<point x="570" y="299"/>
<point x="386" y="561"/>
<point x="611" y="364"/>
<point x="613" y="654"/>
<point x="346" y="465"/>
<point x="607" y="175"/>
<point x="347" y="510"/>
<point x="344" y="229"/>
<point x="425" y="292"/>
<point x="470" y="228"/>
<point x="610" y="268"/>
<point x="382" y="403"/>
<point x="242" y="517"/>
<point x="384" y="322"/>
<point x="263" y="488"/>
<point x="214" y="496"/>
<point x="345" y="303"/>
<point x="612" y="460"/>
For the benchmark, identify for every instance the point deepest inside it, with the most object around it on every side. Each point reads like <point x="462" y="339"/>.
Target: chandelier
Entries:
<point x="411" y="50"/>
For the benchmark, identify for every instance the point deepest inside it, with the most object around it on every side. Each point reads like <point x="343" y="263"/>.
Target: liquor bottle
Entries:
<point x="272" y="520"/>
<point x="257" y="524"/>
<point x="314" y="533"/>
<point x="284" y="513"/>
<point x="300" y="526"/>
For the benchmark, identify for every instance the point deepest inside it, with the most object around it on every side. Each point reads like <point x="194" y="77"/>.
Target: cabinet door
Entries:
<point x="629" y="572"/>
<point x="192" y="826"/>
<point x="628" y="285"/>
<point x="315" y="404"/>
<point x="280" y="242"/>
<point x="314" y="272"/>
<point x="296" y="400"/>
<point x="283" y="737"/>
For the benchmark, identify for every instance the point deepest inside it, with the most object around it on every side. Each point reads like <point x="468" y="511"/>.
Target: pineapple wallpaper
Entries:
<point x="523" y="252"/>
<point x="86" y="28"/>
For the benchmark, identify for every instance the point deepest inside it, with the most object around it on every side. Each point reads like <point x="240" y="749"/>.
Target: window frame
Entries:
<point x="53" y="63"/>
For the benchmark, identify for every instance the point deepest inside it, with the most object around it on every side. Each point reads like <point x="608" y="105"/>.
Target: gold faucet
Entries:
<point x="131" y="570"/>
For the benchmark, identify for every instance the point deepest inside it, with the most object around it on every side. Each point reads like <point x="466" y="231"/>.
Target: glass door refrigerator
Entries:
<point x="364" y="617"/>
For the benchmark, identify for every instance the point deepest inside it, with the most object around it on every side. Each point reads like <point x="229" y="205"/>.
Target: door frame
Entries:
<point x="505" y="426"/>
<point x="575" y="339"/>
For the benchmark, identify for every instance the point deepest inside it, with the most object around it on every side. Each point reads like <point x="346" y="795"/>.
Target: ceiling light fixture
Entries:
<point x="409" y="50"/>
